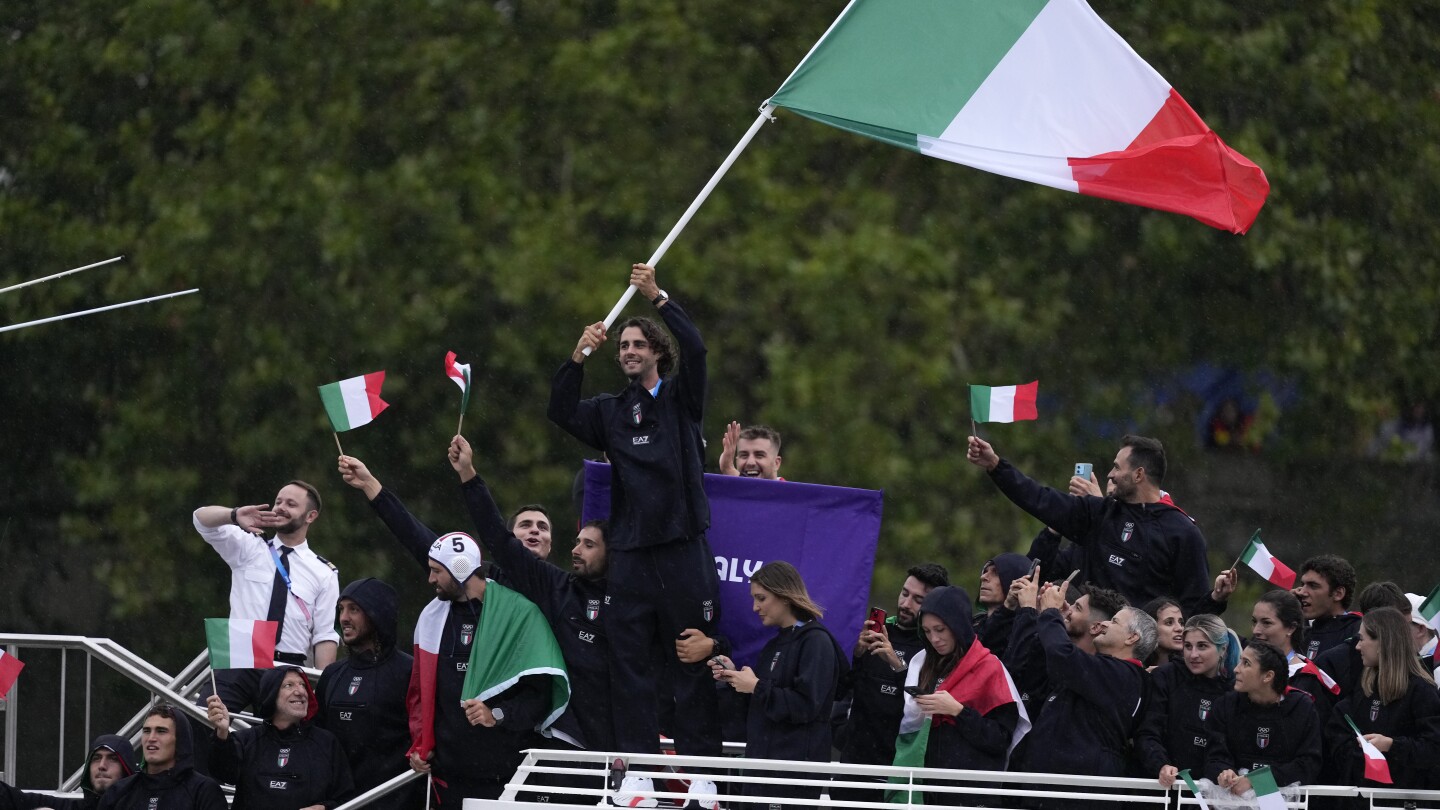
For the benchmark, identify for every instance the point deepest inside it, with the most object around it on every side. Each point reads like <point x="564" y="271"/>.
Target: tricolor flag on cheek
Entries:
<point x="1376" y="768"/>
<point x="241" y="643"/>
<point x="10" y="667"/>
<point x="354" y="402"/>
<point x="1267" y="565"/>
<point x="1267" y="793"/>
<point x="1037" y="90"/>
<point x="459" y="373"/>
<point x="1004" y="403"/>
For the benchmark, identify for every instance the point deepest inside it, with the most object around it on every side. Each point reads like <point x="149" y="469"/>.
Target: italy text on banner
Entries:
<point x="241" y="643"/>
<point x="1267" y="565"/>
<point x="828" y="533"/>
<point x="1004" y="403"/>
<point x="354" y="402"/>
<point x="459" y="373"/>
<point x="1376" y="768"/>
<point x="1037" y="90"/>
<point x="10" y="667"/>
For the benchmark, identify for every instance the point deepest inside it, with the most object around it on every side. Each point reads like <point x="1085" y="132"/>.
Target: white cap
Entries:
<point x="458" y="553"/>
<point x="1415" y="601"/>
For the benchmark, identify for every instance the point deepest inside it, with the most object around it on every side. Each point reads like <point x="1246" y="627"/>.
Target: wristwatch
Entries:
<point x="661" y="298"/>
<point x="498" y="714"/>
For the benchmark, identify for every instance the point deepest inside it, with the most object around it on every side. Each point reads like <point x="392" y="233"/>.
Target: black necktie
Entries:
<point x="278" y="592"/>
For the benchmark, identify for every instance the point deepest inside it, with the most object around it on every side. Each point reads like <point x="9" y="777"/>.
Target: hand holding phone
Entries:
<point x="877" y="619"/>
<point x="914" y="691"/>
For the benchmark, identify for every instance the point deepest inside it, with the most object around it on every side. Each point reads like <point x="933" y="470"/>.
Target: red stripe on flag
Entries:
<point x="420" y="701"/>
<point x="373" y="382"/>
<point x="1377" y="770"/>
<point x="1178" y="164"/>
<point x="1025" y="401"/>
<point x="1282" y="575"/>
<point x="262" y="644"/>
<point x="10" y="667"/>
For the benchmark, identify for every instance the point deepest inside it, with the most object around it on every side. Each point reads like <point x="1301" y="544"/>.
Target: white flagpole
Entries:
<point x="690" y="212"/>
<point x="58" y="275"/>
<point x="97" y="309"/>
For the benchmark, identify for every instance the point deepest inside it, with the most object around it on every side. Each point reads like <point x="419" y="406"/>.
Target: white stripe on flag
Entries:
<point x="357" y="402"/>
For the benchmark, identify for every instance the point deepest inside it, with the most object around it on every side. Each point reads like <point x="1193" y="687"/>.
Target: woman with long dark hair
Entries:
<point x="1396" y="709"/>
<point x="1170" y="625"/>
<point x="965" y="712"/>
<point x="1278" y="621"/>
<point x="1261" y="722"/>
<point x="789" y="694"/>
<point x="1184" y="693"/>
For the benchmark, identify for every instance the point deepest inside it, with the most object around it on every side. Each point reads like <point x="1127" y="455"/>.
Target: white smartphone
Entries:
<point x="1084" y="469"/>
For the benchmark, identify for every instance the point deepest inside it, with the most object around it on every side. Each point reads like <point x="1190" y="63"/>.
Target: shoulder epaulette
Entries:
<point x="327" y="562"/>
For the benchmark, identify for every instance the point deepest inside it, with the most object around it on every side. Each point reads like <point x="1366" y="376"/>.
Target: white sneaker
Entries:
<point x="626" y="795"/>
<point x="702" y="795"/>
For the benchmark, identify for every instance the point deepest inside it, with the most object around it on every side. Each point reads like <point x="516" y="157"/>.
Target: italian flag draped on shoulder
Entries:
<point x="512" y="641"/>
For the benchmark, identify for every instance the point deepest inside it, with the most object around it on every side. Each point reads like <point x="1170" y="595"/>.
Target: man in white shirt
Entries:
<point x="279" y="579"/>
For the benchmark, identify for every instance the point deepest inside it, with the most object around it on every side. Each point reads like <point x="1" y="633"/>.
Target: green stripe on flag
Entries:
<point x="980" y="403"/>
<point x="1430" y="608"/>
<point x="912" y="64"/>
<point x="1194" y="788"/>
<point x="217" y="640"/>
<point x="334" y="401"/>
<point x="465" y="395"/>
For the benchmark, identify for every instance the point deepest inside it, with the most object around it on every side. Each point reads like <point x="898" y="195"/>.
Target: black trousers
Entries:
<point x="655" y="593"/>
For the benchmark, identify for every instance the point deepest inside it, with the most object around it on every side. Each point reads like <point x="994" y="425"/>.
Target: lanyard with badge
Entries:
<point x="289" y="586"/>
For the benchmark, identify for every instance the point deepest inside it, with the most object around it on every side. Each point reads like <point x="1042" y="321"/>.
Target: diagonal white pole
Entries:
<point x="58" y="275"/>
<point x="97" y="309"/>
<point x="690" y="212"/>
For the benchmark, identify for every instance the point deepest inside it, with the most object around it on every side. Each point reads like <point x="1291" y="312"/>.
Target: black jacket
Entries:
<point x="970" y="740"/>
<point x="1174" y="730"/>
<point x="994" y="628"/>
<point x="1330" y="631"/>
<point x="179" y="788"/>
<point x="282" y="769"/>
<point x="1342" y="662"/>
<point x="1141" y="550"/>
<point x="1093" y="709"/>
<point x="867" y="736"/>
<point x="362" y="698"/>
<point x="13" y="798"/>
<point x="571" y="604"/>
<point x="788" y="714"/>
<point x="1284" y="735"/>
<point x="1412" y="722"/>
<point x="654" y="443"/>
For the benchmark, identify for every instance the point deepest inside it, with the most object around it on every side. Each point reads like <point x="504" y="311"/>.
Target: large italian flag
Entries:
<point x="1037" y="90"/>
<point x="354" y="402"/>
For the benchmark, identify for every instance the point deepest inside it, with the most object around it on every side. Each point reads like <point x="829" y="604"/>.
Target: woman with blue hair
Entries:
<point x="1184" y="693"/>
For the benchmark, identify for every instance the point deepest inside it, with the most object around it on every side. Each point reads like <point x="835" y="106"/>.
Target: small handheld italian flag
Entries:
<point x="1267" y="793"/>
<point x="1376" y="768"/>
<point x="1003" y="403"/>
<point x="10" y="667"/>
<point x="1195" y="789"/>
<point x="241" y="643"/>
<point x="354" y="402"/>
<point x="459" y="373"/>
<point x="1430" y="609"/>
<point x="1262" y="562"/>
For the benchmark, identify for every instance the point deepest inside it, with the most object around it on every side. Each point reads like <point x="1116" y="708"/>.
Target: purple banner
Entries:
<point x="828" y="533"/>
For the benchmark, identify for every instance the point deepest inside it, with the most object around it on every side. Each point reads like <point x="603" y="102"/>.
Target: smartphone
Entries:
<point x="877" y="615"/>
<point x="1084" y="469"/>
<point x="913" y="691"/>
<point x="1034" y="566"/>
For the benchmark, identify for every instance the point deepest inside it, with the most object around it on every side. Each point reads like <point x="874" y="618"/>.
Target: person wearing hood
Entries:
<point x="961" y="691"/>
<point x="111" y="760"/>
<point x="1132" y="541"/>
<point x="362" y="697"/>
<point x="285" y="763"/>
<point x="790" y="697"/>
<point x="169" y="780"/>
<point x="994" y="624"/>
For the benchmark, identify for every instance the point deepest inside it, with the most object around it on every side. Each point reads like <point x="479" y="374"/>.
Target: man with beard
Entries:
<point x="362" y="697"/>
<point x="1132" y="542"/>
<point x="280" y="580"/>
<point x="662" y="577"/>
<point x="877" y="674"/>
<point x="169" y="780"/>
<point x="752" y="452"/>
<point x="110" y="762"/>
<point x="285" y="762"/>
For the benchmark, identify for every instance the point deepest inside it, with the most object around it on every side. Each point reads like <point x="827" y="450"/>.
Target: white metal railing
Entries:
<point x="589" y="772"/>
<point x="181" y="690"/>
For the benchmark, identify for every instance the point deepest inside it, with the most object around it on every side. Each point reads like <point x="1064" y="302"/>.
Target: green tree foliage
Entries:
<point x="364" y="185"/>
